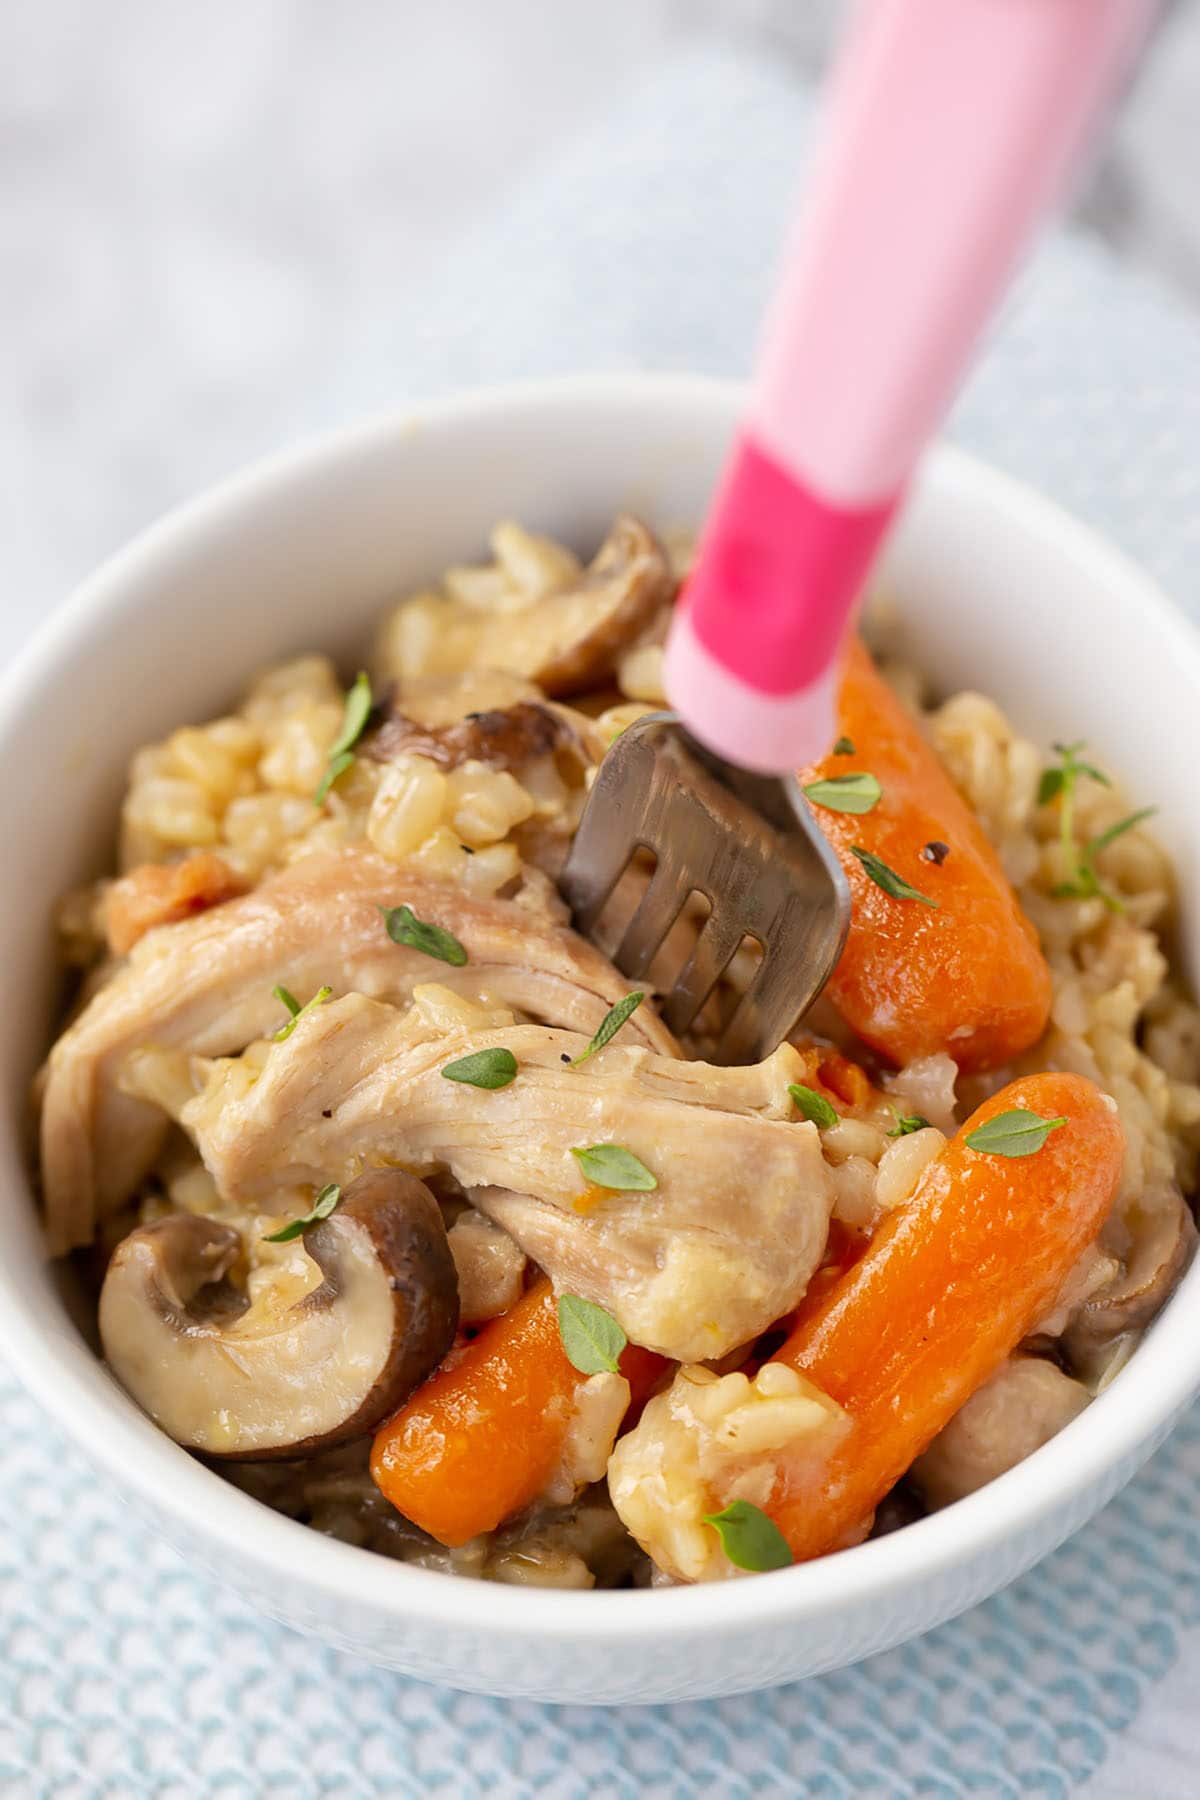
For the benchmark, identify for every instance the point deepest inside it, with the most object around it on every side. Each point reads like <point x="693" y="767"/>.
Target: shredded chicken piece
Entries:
<point x="720" y="1249"/>
<point x="204" y="987"/>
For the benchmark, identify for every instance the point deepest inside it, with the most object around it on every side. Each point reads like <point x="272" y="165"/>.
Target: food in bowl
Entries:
<point x="401" y="1208"/>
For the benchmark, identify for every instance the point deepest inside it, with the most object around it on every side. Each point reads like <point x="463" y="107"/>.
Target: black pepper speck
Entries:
<point x="936" y="852"/>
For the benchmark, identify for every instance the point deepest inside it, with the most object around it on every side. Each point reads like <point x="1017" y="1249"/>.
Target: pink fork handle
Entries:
<point x="952" y="126"/>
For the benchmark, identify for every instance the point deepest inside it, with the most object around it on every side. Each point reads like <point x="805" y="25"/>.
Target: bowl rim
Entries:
<point x="1122" y="1421"/>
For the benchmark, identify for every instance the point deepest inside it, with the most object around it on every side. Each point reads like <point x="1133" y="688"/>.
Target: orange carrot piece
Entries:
<point x="161" y="893"/>
<point x="966" y="975"/>
<point x="951" y="1282"/>
<point x="844" y="1079"/>
<point x="479" y="1441"/>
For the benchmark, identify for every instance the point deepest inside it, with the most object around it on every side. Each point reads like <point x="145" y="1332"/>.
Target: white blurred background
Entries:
<point x="203" y="209"/>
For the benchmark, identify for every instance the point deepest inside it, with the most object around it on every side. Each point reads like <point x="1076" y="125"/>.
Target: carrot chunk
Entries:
<point x="160" y="893"/>
<point x="480" y="1439"/>
<point x="951" y="1282"/>
<point x="964" y="975"/>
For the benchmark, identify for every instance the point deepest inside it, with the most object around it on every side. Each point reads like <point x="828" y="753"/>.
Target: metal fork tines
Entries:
<point x="747" y="843"/>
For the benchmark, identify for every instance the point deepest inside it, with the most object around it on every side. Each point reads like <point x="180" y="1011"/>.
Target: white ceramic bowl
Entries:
<point x="1000" y="591"/>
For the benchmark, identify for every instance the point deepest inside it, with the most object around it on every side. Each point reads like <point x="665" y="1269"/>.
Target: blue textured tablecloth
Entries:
<point x="648" y="243"/>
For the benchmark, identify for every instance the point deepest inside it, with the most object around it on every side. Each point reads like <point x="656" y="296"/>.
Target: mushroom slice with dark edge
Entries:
<point x="1163" y="1239"/>
<point x="628" y="581"/>
<point x="505" y="737"/>
<point x="230" y="1378"/>
<point x="569" y="640"/>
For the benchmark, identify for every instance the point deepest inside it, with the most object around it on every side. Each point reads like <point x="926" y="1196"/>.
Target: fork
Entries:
<point x="951" y="127"/>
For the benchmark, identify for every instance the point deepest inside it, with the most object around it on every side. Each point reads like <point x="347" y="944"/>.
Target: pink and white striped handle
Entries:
<point x="952" y="126"/>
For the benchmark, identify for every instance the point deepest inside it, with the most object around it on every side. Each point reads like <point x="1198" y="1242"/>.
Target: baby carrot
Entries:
<point x="951" y="1282"/>
<point x="964" y="974"/>
<point x="480" y="1439"/>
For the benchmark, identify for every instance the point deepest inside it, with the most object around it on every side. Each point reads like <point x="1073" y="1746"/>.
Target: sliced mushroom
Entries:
<point x="565" y="638"/>
<point x="252" y="1379"/>
<point x="501" y="738"/>
<point x="1022" y="1407"/>
<point x="584" y="630"/>
<point x="1163" y="1239"/>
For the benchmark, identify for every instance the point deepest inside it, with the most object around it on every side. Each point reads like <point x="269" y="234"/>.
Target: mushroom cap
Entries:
<point x="1163" y="1236"/>
<point x="501" y="737"/>
<point x="1026" y="1402"/>
<point x="251" y="1379"/>
<point x="583" y="631"/>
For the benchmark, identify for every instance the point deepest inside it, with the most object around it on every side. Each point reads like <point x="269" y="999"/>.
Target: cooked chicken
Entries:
<point x="204" y="986"/>
<point x="722" y="1247"/>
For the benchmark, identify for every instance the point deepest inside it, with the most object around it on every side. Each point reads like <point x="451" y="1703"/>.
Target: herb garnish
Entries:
<point x="1062" y="780"/>
<point x="612" y="1166"/>
<point x="592" y="1339"/>
<point x="1059" y="783"/>
<point x="907" y="1123"/>
<point x="1086" y="883"/>
<point x="843" y="747"/>
<point x="856" y="793"/>
<point x="814" y="1106"/>
<point x="404" y="927"/>
<point x="325" y="1203"/>
<point x="483" y="1068"/>
<point x="341" y="751"/>
<point x="887" y="879"/>
<point x="749" y="1539"/>
<point x="296" y="1010"/>
<point x="1017" y="1132"/>
<point x="609" y="1025"/>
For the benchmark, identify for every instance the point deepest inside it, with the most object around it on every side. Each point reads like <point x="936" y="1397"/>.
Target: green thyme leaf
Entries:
<point x="356" y="712"/>
<point x="749" y="1539"/>
<point x="1086" y="883"/>
<point x="591" y="1337"/>
<point x="887" y="879"/>
<point x="1059" y="782"/>
<point x="297" y="1012"/>
<point x="325" y="1203"/>
<point x="843" y="747"/>
<point x="907" y="1123"/>
<point x="483" y="1068"/>
<point x="1103" y="839"/>
<point x="1017" y="1132"/>
<point x="355" y="716"/>
<point x="612" y="1166"/>
<point x="1050" y="785"/>
<point x="846" y="793"/>
<point x="404" y="927"/>
<point x="609" y="1025"/>
<point x="336" y="768"/>
<point x="814" y="1106"/>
